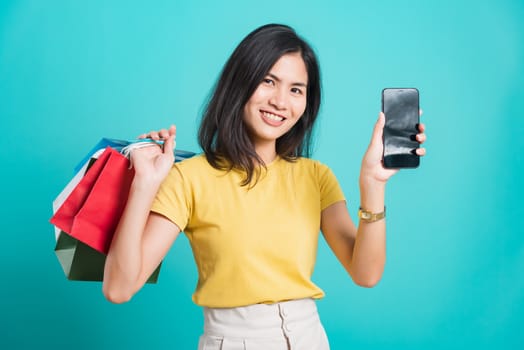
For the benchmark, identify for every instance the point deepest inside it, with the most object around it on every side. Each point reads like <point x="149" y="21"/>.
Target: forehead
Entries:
<point x="290" y="68"/>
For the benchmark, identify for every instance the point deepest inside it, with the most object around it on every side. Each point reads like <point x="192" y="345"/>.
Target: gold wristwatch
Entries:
<point x="368" y="216"/>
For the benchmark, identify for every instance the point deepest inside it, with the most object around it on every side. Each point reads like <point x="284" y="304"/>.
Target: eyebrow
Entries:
<point x="279" y="80"/>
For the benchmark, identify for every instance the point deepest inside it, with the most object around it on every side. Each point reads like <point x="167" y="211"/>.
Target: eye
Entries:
<point x="268" y="81"/>
<point x="297" y="91"/>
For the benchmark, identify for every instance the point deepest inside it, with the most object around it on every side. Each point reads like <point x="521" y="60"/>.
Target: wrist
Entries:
<point x="370" y="216"/>
<point x="372" y="194"/>
<point x="145" y="184"/>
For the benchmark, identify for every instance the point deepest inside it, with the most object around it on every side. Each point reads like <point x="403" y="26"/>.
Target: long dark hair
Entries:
<point x="223" y="135"/>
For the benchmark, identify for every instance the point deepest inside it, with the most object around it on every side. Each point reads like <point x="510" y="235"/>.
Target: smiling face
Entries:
<point x="278" y="102"/>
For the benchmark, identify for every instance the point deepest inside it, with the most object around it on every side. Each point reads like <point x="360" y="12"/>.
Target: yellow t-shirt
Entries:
<point x="251" y="245"/>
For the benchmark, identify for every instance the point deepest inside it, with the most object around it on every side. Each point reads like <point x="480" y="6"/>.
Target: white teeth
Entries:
<point x="273" y="116"/>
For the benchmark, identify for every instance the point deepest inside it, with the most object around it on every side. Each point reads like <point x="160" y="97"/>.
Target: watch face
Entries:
<point x="365" y="215"/>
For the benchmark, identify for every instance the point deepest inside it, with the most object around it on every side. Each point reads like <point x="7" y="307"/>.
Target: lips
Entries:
<point x="272" y="119"/>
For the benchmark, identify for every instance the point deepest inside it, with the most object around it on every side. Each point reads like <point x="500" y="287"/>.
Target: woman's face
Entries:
<point x="278" y="102"/>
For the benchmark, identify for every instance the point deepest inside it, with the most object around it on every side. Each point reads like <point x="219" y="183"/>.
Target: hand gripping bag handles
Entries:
<point x="88" y="217"/>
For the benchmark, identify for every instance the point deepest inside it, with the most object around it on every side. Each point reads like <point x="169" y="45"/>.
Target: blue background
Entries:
<point x="72" y="72"/>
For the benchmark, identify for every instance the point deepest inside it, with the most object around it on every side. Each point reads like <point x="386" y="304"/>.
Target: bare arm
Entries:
<point x="142" y="239"/>
<point x="362" y="250"/>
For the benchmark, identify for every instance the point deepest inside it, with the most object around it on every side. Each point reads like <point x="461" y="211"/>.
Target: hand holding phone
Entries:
<point x="401" y="108"/>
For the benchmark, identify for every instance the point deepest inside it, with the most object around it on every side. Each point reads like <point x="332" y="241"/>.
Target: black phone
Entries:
<point x="401" y="108"/>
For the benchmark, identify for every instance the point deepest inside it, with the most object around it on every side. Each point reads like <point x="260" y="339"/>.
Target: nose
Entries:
<point x="278" y="99"/>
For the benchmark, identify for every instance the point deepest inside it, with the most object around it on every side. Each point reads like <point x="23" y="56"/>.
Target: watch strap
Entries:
<point x="368" y="216"/>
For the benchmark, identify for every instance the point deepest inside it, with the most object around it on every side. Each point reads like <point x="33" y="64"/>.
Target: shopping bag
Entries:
<point x="80" y="262"/>
<point x="92" y="210"/>
<point x="86" y="212"/>
<point x="60" y="199"/>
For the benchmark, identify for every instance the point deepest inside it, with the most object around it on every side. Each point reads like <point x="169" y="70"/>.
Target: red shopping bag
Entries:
<point x="92" y="211"/>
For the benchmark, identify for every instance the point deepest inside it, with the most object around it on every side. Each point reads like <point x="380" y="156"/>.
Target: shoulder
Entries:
<point x="195" y="164"/>
<point x="188" y="167"/>
<point x="310" y="165"/>
<point x="311" y="162"/>
<point x="197" y="170"/>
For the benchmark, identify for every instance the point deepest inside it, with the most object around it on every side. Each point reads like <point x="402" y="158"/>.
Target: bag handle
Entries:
<point x="126" y="151"/>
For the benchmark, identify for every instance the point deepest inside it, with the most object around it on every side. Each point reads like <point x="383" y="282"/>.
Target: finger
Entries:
<point x="169" y="144"/>
<point x="421" y="152"/>
<point x="142" y="136"/>
<point x="378" y="129"/>
<point x="154" y="135"/>
<point x="172" y="130"/>
<point x="163" y="133"/>
<point x="421" y="138"/>
<point x="422" y="127"/>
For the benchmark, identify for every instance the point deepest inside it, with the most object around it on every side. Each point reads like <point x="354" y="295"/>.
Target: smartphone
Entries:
<point x="401" y="108"/>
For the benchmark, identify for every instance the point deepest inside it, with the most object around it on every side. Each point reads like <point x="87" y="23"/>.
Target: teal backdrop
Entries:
<point x="72" y="72"/>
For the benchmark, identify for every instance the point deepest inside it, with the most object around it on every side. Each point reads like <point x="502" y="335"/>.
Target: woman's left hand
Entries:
<point x="372" y="167"/>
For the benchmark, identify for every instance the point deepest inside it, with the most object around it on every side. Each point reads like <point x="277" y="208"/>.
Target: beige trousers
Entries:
<point x="289" y="325"/>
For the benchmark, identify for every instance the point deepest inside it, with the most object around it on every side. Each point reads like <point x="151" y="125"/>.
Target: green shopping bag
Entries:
<point x="80" y="262"/>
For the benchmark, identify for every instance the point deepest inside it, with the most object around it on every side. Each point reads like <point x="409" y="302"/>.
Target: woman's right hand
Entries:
<point x="152" y="164"/>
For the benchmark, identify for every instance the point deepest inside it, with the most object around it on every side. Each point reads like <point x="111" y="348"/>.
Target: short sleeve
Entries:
<point x="173" y="199"/>
<point x="330" y="191"/>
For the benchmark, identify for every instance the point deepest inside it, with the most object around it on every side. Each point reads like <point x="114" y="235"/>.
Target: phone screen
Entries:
<point x="401" y="108"/>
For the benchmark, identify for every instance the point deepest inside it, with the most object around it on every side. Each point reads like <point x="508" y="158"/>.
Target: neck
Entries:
<point x="267" y="152"/>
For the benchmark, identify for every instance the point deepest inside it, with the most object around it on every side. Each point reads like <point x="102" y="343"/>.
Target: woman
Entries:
<point x="252" y="204"/>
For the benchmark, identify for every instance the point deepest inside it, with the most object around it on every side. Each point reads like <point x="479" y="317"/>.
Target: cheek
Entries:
<point x="258" y="96"/>
<point x="299" y="108"/>
<point x="249" y="108"/>
<point x="251" y="104"/>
